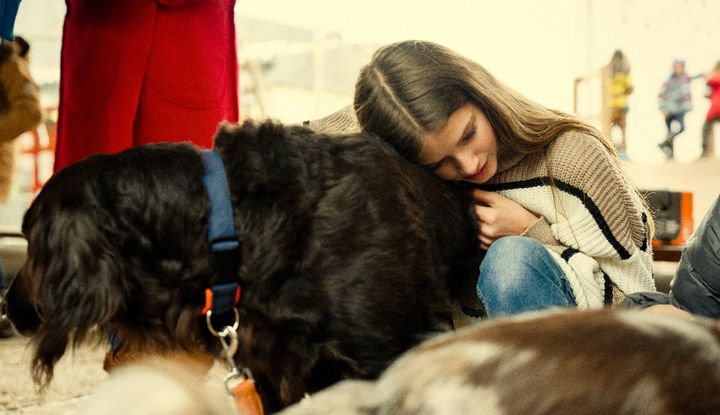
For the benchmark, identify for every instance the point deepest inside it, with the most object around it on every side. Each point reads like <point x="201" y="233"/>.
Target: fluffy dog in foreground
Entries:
<point x="349" y="255"/>
<point x="592" y="362"/>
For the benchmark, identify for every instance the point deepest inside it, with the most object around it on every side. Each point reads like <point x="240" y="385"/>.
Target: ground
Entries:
<point x="75" y="377"/>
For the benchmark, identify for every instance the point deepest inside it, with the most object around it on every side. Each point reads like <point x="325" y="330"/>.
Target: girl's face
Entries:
<point x="465" y="148"/>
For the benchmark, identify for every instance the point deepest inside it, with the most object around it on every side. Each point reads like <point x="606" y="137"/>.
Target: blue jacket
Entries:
<point x="674" y="96"/>
<point x="8" y="12"/>
<point x="696" y="285"/>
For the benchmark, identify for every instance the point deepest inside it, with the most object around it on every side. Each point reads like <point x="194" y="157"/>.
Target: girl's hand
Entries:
<point x="500" y="216"/>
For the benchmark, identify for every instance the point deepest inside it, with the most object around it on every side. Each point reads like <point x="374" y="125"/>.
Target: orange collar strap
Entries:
<point x="239" y="382"/>
<point x="247" y="400"/>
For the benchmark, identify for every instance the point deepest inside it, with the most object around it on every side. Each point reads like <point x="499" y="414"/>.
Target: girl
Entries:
<point x="620" y="88"/>
<point x="561" y="225"/>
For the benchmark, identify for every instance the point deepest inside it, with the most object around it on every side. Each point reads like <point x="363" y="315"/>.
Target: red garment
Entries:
<point x="142" y="71"/>
<point x="713" y="82"/>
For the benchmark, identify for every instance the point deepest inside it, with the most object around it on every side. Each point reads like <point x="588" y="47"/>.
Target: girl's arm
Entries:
<point x="591" y="219"/>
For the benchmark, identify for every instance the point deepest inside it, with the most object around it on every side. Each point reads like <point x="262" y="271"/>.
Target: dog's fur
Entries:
<point x="159" y="385"/>
<point x="349" y="254"/>
<point x="592" y="362"/>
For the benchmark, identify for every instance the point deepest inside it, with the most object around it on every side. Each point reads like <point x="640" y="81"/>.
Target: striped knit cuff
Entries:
<point x="541" y="231"/>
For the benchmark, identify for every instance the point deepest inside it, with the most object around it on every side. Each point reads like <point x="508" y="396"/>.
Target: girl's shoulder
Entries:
<point x="575" y="156"/>
<point x="578" y="144"/>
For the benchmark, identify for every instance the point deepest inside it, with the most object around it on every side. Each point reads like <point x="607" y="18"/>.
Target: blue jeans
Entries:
<point x="519" y="275"/>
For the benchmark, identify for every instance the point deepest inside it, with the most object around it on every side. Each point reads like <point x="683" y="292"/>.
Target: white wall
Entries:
<point x="539" y="47"/>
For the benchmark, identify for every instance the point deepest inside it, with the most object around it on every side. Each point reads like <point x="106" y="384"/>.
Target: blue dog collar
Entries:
<point x="224" y="291"/>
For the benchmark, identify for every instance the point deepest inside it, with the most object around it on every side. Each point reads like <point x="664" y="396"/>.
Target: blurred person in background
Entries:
<point x="674" y="101"/>
<point x="712" y="80"/>
<point x="621" y="87"/>
<point x="140" y="71"/>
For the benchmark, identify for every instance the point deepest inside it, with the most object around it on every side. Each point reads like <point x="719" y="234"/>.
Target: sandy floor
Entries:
<point x="75" y="376"/>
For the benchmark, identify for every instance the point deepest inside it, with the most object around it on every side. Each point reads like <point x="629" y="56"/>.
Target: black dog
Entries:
<point x="350" y="255"/>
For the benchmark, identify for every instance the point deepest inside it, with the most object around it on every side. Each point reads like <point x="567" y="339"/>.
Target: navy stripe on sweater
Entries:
<point x="644" y="246"/>
<point x="608" y="290"/>
<point x="568" y="253"/>
<point x="607" y="282"/>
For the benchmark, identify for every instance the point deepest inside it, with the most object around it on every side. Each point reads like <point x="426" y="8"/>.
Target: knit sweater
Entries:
<point x="592" y="222"/>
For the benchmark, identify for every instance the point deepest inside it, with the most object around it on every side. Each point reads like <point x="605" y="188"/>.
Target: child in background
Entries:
<point x="712" y="81"/>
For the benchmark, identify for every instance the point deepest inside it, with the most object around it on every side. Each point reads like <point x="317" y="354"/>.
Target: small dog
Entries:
<point x="350" y="255"/>
<point x="567" y="363"/>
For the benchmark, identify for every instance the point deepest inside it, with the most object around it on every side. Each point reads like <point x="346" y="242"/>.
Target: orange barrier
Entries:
<point x="39" y="145"/>
<point x="672" y="214"/>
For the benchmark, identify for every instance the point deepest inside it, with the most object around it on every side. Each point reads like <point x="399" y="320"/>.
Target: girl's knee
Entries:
<point x="518" y="274"/>
<point x="513" y="250"/>
<point x="509" y="264"/>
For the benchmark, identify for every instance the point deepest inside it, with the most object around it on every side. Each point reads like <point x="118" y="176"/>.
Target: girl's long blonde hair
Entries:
<point x="411" y="88"/>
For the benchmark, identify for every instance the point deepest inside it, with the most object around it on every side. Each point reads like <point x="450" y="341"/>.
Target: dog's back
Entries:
<point x="593" y="362"/>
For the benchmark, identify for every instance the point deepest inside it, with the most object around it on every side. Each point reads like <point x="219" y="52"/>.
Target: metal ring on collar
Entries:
<point x="217" y="333"/>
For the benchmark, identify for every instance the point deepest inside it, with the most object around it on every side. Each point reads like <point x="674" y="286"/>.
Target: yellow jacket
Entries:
<point x="620" y="87"/>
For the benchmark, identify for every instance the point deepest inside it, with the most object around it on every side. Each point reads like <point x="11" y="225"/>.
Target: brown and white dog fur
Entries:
<point x="590" y="362"/>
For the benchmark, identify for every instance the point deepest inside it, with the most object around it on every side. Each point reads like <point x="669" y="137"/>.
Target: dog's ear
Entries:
<point x="80" y="286"/>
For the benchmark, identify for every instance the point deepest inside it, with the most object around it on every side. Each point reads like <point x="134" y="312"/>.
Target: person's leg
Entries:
<point x="518" y="274"/>
<point x="708" y="139"/>
<point x="667" y="145"/>
<point x="680" y="118"/>
<point x="697" y="281"/>
<point x="622" y="122"/>
<point x="706" y="131"/>
<point x="668" y="124"/>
